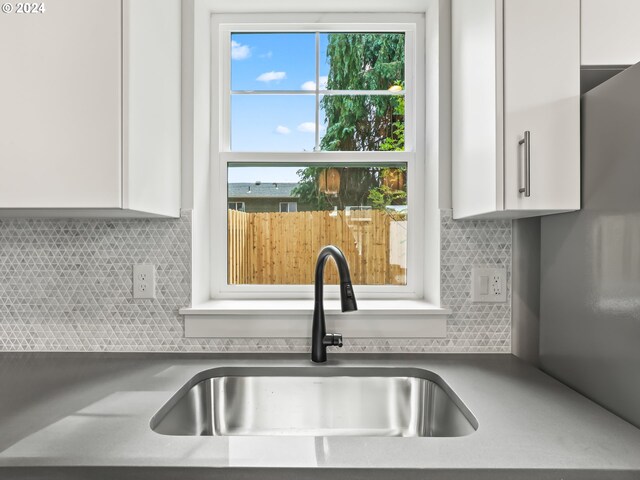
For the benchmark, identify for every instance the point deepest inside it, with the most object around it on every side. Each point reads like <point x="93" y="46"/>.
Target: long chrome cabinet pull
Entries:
<point x="527" y="164"/>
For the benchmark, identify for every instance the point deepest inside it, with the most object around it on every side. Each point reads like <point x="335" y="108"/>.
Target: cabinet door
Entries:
<point x="542" y="96"/>
<point x="60" y="98"/>
<point x="476" y="60"/>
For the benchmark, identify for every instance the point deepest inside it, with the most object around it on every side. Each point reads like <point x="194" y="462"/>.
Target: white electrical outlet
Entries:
<point x="144" y="281"/>
<point x="488" y="285"/>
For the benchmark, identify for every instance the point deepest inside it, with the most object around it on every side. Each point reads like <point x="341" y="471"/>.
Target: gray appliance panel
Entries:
<point x="590" y="259"/>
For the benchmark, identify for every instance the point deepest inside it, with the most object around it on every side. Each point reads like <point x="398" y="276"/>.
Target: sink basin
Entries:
<point x="315" y="401"/>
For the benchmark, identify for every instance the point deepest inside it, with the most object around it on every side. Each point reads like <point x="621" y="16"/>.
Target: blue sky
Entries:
<point x="273" y="61"/>
<point x="251" y="174"/>
<point x="256" y="54"/>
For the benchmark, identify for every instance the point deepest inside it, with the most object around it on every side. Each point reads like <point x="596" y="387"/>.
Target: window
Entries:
<point x="220" y="307"/>
<point x="286" y="207"/>
<point x="320" y="120"/>
<point x="239" y="206"/>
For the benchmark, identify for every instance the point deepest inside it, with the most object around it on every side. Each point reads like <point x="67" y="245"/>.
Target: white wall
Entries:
<point x="610" y="32"/>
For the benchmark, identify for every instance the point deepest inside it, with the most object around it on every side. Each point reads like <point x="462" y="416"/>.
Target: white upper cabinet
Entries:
<point x="610" y="32"/>
<point x="90" y="109"/>
<point x="516" y="107"/>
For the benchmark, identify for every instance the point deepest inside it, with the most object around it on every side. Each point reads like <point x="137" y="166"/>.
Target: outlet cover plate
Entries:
<point x="144" y="281"/>
<point x="489" y="285"/>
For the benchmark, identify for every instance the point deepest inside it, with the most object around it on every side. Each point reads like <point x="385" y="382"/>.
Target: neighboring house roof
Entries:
<point x="261" y="190"/>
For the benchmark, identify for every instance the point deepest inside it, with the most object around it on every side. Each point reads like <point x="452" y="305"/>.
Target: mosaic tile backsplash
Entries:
<point x="66" y="285"/>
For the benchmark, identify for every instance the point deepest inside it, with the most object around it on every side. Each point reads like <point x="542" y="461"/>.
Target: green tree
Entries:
<point x="307" y="189"/>
<point x="382" y="196"/>
<point x="361" y="61"/>
<point x="360" y="122"/>
<point x="395" y="141"/>
<point x="356" y="184"/>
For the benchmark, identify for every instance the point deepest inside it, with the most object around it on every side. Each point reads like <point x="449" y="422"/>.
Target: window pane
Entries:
<point x="362" y="122"/>
<point x="361" y="61"/>
<point x="272" y="123"/>
<point x="288" y="207"/>
<point x="273" y="61"/>
<point x="291" y="212"/>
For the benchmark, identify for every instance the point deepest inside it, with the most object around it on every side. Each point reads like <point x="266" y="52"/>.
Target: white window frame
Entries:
<point x="244" y="207"/>
<point x="207" y="316"/>
<point x="288" y="204"/>
<point x="412" y="25"/>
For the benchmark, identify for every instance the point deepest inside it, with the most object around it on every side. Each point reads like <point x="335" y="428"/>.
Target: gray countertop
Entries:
<point x="69" y="414"/>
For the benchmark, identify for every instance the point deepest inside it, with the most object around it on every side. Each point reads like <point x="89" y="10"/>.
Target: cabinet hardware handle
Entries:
<point x="527" y="164"/>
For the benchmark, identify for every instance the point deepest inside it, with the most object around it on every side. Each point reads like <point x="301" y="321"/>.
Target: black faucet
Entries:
<point x="320" y="339"/>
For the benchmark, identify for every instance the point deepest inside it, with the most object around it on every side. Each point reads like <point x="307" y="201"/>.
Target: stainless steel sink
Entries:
<point x="315" y="401"/>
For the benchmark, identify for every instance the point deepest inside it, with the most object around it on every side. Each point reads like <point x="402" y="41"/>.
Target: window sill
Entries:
<point x="292" y="319"/>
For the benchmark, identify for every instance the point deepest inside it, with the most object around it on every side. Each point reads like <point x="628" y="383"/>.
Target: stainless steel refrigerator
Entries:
<point x="590" y="259"/>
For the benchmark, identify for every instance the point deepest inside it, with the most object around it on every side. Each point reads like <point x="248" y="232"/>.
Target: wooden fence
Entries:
<point x="281" y="248"/>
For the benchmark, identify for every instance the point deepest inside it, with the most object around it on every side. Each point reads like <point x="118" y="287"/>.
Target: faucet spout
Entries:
<point x="320" y="339"/>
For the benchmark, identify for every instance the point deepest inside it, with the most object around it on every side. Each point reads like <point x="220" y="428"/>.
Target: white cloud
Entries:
<point x="272" y="76"/>
<point x="311" y="85"/>
<point x="239" y="51"/>
<point x="269" y="54"/>
<point x="282" y="130"/>
<point x="307" y="127"/>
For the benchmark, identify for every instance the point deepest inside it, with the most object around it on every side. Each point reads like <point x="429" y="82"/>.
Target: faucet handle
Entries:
<point x="332" y="340"/>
